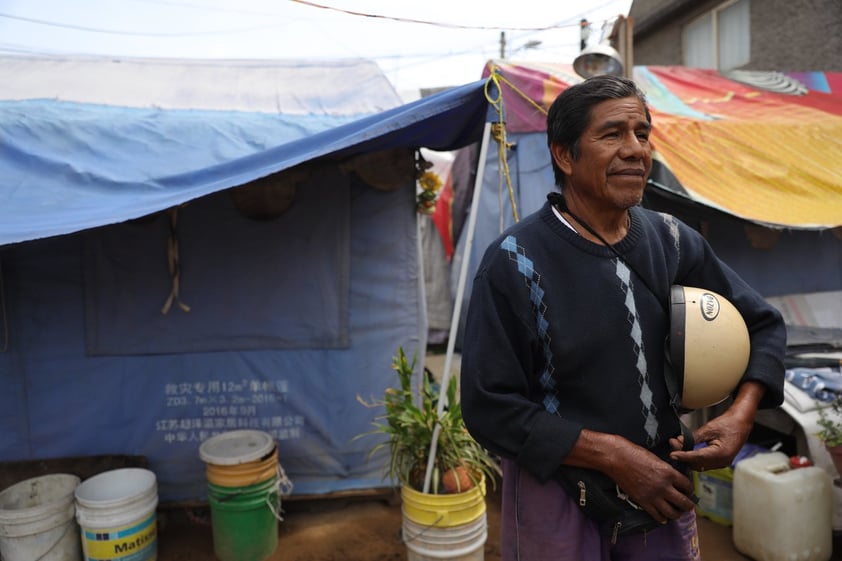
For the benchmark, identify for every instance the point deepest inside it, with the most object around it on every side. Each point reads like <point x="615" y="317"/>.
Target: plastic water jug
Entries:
<point x="780" y="513"/>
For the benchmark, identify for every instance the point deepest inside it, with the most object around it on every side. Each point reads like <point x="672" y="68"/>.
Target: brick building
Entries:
<point x="783" y="35"/>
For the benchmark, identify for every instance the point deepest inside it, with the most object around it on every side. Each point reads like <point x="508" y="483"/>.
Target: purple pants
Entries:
<point x="540" y="522"/>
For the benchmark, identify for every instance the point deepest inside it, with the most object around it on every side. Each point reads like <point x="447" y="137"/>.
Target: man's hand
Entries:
<point x="653" y="484"/>
<point x="724" y="435"/>
<point x="650" y="482"/>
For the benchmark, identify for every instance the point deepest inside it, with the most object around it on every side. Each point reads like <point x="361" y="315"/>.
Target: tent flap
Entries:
<point x="71" y="165"/>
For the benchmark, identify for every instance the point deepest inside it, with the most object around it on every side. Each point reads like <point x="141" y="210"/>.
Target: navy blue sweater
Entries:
<point x="562" y="335"/>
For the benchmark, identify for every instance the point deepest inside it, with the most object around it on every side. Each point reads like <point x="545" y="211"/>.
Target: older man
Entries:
<point x="563" y="354"/>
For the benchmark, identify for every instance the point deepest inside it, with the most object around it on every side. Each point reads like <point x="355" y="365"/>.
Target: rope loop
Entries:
<point x="498" y="133"/>
<point x="282" y="488"/>
<point x="174" y="265"/>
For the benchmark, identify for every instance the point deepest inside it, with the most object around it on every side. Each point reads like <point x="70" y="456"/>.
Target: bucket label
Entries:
<point x="128" y="543"/>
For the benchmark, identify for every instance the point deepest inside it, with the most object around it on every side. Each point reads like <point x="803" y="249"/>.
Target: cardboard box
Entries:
<point x="716" y="494"/>
<point x="715" y="488"/>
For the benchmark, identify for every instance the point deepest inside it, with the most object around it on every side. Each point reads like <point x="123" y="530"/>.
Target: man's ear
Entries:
<point x="562" y="157"/>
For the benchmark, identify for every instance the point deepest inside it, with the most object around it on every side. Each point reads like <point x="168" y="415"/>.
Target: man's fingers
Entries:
<point x="663" y="511"/>
<point x="677" y="443"/>
<point x="675" y="506"/>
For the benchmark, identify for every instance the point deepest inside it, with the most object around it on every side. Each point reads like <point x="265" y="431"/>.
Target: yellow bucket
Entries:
<point x="245" y="474"/>
<point x="444" y="511"/>
<point x="240" y="458"/>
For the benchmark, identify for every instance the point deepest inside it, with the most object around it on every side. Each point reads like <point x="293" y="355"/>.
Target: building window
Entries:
<point x="719" y="39"/>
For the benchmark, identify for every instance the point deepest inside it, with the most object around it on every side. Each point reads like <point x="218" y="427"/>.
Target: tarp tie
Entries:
<point x="174" y="265"/>
<point x="282" y="488"/>
<point x="498" y="133"/>
<point x="495" y="71"/>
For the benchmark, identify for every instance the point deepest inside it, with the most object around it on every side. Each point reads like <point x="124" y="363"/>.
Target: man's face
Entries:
<point x="614" y="157"/>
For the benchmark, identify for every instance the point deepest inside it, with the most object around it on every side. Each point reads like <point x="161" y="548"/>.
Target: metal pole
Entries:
<point x="460" y="294"/>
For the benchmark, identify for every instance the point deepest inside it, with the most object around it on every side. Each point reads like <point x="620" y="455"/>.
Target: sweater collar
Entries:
<point x="632" y="238"/>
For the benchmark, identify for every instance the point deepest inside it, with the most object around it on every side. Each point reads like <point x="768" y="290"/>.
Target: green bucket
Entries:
<point x="244" y="520"/>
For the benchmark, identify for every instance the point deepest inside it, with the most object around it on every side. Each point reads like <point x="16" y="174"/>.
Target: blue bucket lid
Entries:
<point x="236" y="447"/>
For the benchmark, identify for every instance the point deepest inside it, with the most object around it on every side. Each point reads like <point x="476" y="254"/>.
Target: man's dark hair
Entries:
<point x="570" y="113"/>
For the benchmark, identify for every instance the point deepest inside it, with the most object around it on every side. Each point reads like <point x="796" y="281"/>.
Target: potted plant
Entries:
<point x="445" y="508"/>
<point x="830" y="421"/>
<point x="410" y="422"/>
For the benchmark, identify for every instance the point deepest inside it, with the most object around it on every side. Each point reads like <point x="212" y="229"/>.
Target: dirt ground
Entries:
<point x="359" y="528"/>
<point x="362" y="526"/>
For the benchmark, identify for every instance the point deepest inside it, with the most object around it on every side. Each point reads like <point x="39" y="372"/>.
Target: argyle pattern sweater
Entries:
<point x="562" y="335"/>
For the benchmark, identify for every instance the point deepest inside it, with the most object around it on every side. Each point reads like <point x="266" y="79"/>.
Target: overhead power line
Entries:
<point x="433" y="23"/>
<point x="137" y="33"/>
<point x="90" y="29"/>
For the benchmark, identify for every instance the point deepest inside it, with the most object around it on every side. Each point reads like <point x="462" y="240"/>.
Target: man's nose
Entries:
<point x="633" y="147"/>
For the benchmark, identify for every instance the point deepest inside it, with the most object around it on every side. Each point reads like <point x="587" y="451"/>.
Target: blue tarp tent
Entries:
<point x="145" y="307"/>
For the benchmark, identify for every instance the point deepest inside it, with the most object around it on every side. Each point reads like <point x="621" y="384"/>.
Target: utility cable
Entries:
<point x="138" y="33"/>
<point x="437" y="24"/>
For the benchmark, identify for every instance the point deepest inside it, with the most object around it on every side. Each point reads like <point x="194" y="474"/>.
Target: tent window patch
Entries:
<point x="242" y="284"/>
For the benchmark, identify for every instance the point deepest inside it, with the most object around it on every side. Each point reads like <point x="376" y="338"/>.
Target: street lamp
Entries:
<point x="598" y="59"/>
<point x="533" y="44"/>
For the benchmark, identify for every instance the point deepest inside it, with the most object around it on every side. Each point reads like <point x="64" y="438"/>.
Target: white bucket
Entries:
<point x="36" y="520"/>
<point x="463" y="542"/>
<point x="116" y="514"/>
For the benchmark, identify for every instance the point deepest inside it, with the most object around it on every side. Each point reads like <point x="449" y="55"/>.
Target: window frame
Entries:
<point x="714" y="14"/>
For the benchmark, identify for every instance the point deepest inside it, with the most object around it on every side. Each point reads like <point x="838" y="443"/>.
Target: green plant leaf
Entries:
<point x="410" y="421"/>
<point x="830" y="421"/>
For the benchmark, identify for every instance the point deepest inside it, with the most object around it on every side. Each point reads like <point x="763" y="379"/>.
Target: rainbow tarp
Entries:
<point x="762" y="146"/>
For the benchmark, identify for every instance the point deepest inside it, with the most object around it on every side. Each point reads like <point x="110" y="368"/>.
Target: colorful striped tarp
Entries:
<point x="763" y="146"/>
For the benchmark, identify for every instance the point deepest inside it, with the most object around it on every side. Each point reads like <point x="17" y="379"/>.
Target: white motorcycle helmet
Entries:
<point x="708" y="347"/>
